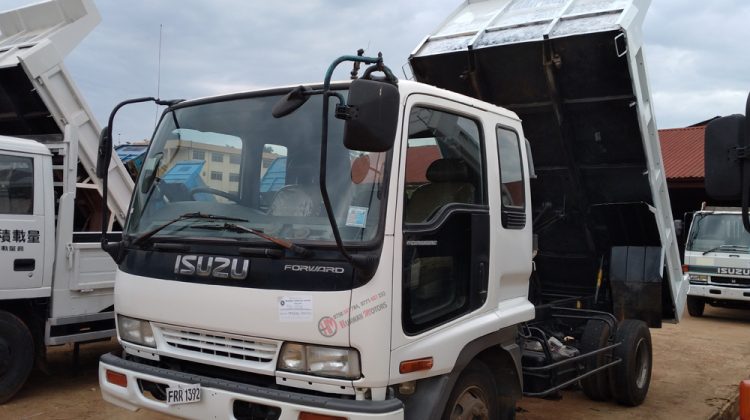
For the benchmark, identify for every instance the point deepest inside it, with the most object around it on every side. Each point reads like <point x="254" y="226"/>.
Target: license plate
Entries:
<point x="184" y="394"/>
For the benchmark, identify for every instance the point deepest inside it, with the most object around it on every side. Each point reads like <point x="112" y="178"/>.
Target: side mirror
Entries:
<point x="290" y="102"/>
<point x="104" y="155"/>
<point x="371" y="116"/>
<point x="679" y="228"/>
<point x="724" y="148"/>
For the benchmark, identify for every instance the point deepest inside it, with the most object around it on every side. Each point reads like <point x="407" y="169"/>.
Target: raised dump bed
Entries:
<point x="573" y="71"/>
<point x="39" y="99"/>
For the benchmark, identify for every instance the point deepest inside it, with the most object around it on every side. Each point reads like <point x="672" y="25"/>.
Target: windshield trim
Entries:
<point x="249" y="95"/>
<point x="310" y="244"/>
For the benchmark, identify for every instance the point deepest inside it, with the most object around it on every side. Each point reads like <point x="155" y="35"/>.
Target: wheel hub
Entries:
<point x="471" y="405"/>
<point x="642" y="363"/>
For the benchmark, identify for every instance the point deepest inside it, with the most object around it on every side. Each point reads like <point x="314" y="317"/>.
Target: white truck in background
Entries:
<point x="717" y="260"/>
<point x="395" y="274"/>
<point x="57" y="283"/>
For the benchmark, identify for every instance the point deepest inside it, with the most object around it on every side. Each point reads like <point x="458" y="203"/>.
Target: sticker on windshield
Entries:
<point x="357" y="217"/>
<point x="295" y="308"/>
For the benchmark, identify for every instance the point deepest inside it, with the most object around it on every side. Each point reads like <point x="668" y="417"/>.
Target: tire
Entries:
<point x="631" y="378"/>
<point x="16" y="355"/>
<point x="695" y="306"/>
<point x="476" y="392"/>
<point x="595" y="336"/>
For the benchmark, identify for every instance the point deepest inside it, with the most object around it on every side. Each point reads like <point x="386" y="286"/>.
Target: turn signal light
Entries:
<point x="416" y="365"/>
<point x="312" y="416"/>
<point x="117" y="378"/>
<point x="685" y="268"/>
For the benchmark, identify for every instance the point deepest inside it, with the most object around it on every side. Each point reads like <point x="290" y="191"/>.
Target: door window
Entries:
<point x="442" y="275"/>
<point x="443" y="163"/>
<point x="16" y="185"/>
<point x="513" y="192"/>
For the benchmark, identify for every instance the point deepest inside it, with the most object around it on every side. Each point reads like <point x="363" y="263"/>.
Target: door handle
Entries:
<point x="482" y="276"/>
<point x="24" y="264"/>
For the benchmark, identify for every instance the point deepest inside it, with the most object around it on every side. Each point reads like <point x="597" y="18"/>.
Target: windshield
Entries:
<point x="717" y="232"/>
<point x="232" y="159"/>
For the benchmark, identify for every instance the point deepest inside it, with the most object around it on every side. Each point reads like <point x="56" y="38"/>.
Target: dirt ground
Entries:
<point x="698" y="365"/>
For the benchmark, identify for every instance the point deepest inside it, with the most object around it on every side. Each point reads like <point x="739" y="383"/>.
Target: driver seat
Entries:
<point x="449" y="182"/>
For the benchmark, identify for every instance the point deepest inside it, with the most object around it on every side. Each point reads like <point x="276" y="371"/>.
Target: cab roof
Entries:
<point x="15" y="144"/>
<point x="406" y="88"/>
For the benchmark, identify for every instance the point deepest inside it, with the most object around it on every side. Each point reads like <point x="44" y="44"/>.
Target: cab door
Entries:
<point x="444" y="216"/>
<point x="21" y="222"/>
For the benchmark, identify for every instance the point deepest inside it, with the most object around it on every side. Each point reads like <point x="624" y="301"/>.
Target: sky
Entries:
<point x="696" y="51"/>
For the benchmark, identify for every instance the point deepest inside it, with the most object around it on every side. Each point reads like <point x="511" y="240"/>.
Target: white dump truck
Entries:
<point x="415" y="263"/>
<point x="58" y="284"/>
<point x="717" y="260"/>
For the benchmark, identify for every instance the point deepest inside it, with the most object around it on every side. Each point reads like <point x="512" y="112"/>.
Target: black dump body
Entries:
<point x="22" y="111"/>
<point x="576" y="99"/>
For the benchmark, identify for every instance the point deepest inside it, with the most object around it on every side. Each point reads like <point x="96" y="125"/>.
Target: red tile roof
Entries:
<point x="682" y="152"/>
<point x="681" y="149"/>
<point x="418" y="160"/>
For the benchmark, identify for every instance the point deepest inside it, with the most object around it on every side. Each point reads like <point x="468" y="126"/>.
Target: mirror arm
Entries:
<point x="115" y="250"/>
<point x="390" y="77"/>
<point x="343" y="58"/>
<point x="366" y="264"/>
<point x="105" y="187"/>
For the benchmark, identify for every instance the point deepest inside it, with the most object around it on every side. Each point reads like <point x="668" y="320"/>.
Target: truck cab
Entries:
<point x="25" y="201"/>
<point x="717" y="259"/>
<point x="426" y="213"/>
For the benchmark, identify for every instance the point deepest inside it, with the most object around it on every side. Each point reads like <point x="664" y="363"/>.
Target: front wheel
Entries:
<point x="695" y="306"/>
<point x="16" y="355"/>
<point x="474" y="396"/>
<point x="632" y="377"/>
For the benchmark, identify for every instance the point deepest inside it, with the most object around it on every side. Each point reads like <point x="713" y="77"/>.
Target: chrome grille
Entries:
<point x="731" y="281"/>
<point x="230" y="347"/>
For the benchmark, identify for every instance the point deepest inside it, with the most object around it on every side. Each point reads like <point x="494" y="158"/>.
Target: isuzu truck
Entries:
<point x="416" y="263"/>
<point x="717" y="260"/>
<point x="57" y="283"/>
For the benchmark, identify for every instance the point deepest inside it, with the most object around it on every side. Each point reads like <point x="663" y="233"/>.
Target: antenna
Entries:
<point x="158" y="76"/>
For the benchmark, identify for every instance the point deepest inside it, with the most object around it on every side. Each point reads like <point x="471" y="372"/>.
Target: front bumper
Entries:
<point x="716" y="292"/>
<point x="218" y="396"/>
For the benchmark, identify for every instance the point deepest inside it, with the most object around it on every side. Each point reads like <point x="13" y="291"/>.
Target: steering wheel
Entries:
<point x="209" y="190"/>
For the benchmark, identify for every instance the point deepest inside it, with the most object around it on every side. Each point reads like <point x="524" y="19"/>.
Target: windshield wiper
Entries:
<point x="232" y="227"/>
<point x="196" y="215"/>
<point x="728" y="247"/>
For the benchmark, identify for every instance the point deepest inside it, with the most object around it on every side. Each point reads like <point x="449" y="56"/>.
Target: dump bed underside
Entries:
<point x="565" y="69"/>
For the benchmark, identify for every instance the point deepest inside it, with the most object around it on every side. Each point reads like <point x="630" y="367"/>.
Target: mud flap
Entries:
<point x="636" y="280"/>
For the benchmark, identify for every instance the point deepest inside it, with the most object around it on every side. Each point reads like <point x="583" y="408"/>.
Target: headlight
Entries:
<point x="135" y="331"/>
<point x="698" y="277"/>
<point x="334" y="362"/>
